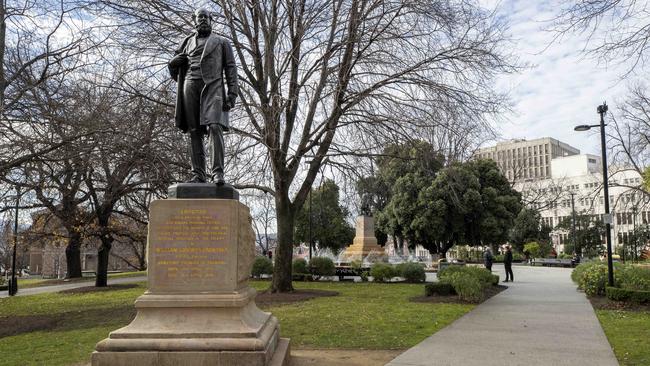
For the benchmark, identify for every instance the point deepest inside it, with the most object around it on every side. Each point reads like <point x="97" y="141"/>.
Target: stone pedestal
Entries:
<point x="198" y="309"/>
<point x="365" y="241"/>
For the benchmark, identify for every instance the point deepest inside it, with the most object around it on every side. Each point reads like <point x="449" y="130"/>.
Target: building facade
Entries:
<point x="577" y="184"/>
<point x="526" y="160"/>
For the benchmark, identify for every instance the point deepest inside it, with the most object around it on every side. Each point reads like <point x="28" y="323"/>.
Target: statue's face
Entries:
<point x="202" y="21"/>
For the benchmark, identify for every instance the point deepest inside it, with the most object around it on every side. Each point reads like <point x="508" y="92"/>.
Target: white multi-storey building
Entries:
<point x="580" y="178"/>
<point x="526" y="160"/>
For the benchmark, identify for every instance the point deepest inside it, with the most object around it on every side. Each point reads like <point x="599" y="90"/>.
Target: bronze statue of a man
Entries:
<point x="202" y="103"/>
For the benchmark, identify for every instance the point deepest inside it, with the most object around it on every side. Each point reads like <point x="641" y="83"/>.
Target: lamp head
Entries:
<point x="582" y="127"/>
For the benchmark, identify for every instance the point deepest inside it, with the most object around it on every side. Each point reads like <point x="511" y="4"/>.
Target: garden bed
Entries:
<point x="453" y="298"/>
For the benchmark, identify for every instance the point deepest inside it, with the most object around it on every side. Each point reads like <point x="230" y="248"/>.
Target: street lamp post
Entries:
<point x="573" y="224"/>
<point x="602" y="109"/>
<point x="634" y="231"/>
<point x="13" y="285"/>
<point x="311" y="239"/>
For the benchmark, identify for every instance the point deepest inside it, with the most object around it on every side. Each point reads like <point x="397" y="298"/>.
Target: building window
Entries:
<point x="593" y="161"/>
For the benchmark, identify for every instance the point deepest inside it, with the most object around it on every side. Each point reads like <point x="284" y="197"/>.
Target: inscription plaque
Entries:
<point x="192" y="247"/>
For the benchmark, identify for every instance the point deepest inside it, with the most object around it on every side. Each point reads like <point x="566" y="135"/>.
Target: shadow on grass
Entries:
<point x="15" y="325"/>
<point x="83" y="319"/>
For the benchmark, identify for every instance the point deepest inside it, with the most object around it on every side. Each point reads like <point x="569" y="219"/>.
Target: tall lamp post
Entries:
<point x="573" y="224"/>
<point x="634" y="209"/>
<point x="602" y="109"/>
<point x="311" y="239"/>
<point x="13" y="285"/>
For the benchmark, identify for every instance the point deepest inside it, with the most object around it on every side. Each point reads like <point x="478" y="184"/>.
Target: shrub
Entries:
<point x="632" y="277"/>
<point x="382" y="272"/>
<point x="299" y="270"/>
<point x="262" y="265"/>
<point x="439" y="288"/>
<point x="495" y="279"/>
<point x="448" y="271"/>
<point x="357" y="266"/>
<point x="481" y="274"/>
<point x="591" y="277"/>
<point x="299" y="267"/>
<point x="468" y="287"/>
<point x="621" y="294"/>
<point x="516" y="257"/>
<point x="533" y="248"/>
<point x="322" y="266"/>
<point x="412" y="272"/>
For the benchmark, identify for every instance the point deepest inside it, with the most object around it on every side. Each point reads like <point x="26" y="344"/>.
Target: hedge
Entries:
<point x="382" y="272"/>
<point x="621" y="294"/>
<point x="439" y="288"/>
<point x="262" y="265"/>
<point x="412" y="272"/>
<point x="322" y="266"/>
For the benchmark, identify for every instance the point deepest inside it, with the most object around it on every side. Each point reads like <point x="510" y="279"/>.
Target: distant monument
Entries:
<point x="364" y="241"/>
<point x="199" y="308"/>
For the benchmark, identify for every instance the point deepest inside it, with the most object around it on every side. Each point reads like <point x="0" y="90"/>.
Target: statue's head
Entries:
<point x="203" y="21"/>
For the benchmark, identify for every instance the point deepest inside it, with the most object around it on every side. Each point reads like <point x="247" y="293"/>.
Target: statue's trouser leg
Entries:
<point x="198" y="155"/>
<point x="216" y="150"/>
<point x="192" y="105"/>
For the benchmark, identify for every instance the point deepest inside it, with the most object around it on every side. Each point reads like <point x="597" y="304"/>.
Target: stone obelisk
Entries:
<point x="364" y="240"/>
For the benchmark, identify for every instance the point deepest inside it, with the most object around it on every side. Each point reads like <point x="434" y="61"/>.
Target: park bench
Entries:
<point x="552" y="262"/>
<point x="347" y="271"/>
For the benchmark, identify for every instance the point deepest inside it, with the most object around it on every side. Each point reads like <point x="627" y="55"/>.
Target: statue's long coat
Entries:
<point x="217" y="61"/>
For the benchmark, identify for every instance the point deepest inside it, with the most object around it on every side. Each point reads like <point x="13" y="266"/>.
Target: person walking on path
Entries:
<point x="507" y="263"/>
<point x="488" y="258"/>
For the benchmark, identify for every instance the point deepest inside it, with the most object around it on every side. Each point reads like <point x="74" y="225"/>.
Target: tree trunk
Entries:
<point x="73" y="256"/>
<point x="400" y="245"/>
<point x="284" y="250"/>
<point x="444" y="248"/>
<point x="102" y="261"/>
<point x="3" y="32"/>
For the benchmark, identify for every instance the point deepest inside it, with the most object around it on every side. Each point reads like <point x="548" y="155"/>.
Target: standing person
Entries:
<point x="507" y="263"/>
<point x="488" y="258"/>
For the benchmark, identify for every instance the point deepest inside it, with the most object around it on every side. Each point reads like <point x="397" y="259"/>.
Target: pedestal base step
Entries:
<point x="280" y="357"/>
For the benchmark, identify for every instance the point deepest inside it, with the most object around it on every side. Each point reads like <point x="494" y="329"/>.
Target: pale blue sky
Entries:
<point x="563" y="87"/>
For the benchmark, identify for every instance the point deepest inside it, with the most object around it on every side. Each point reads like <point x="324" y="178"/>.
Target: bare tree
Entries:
<point x="133" y="154"/>
<point x="263" y="213"/>
<point x="38" y="41"/>
<point x="629" y="130"/>
<point x="55" y="178"/>
<point x="617" y="30"/>
<point x="318" y="77"/>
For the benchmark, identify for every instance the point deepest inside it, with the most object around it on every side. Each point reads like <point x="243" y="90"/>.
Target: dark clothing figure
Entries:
<point x="488" y="258"/>
<point x="192" y="91"/>
<point x="203" y="63"/>
<point x="507" y="263"/>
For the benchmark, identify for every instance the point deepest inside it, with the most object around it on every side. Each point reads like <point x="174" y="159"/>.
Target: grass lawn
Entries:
<point x="363" y="316"/>
<point x="628" y="333"/>
<point x="37" y="282"/>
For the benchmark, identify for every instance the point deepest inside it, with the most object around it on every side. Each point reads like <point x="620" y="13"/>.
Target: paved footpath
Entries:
<point x="57" y="288"/>
<point x="541" y="319"/>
